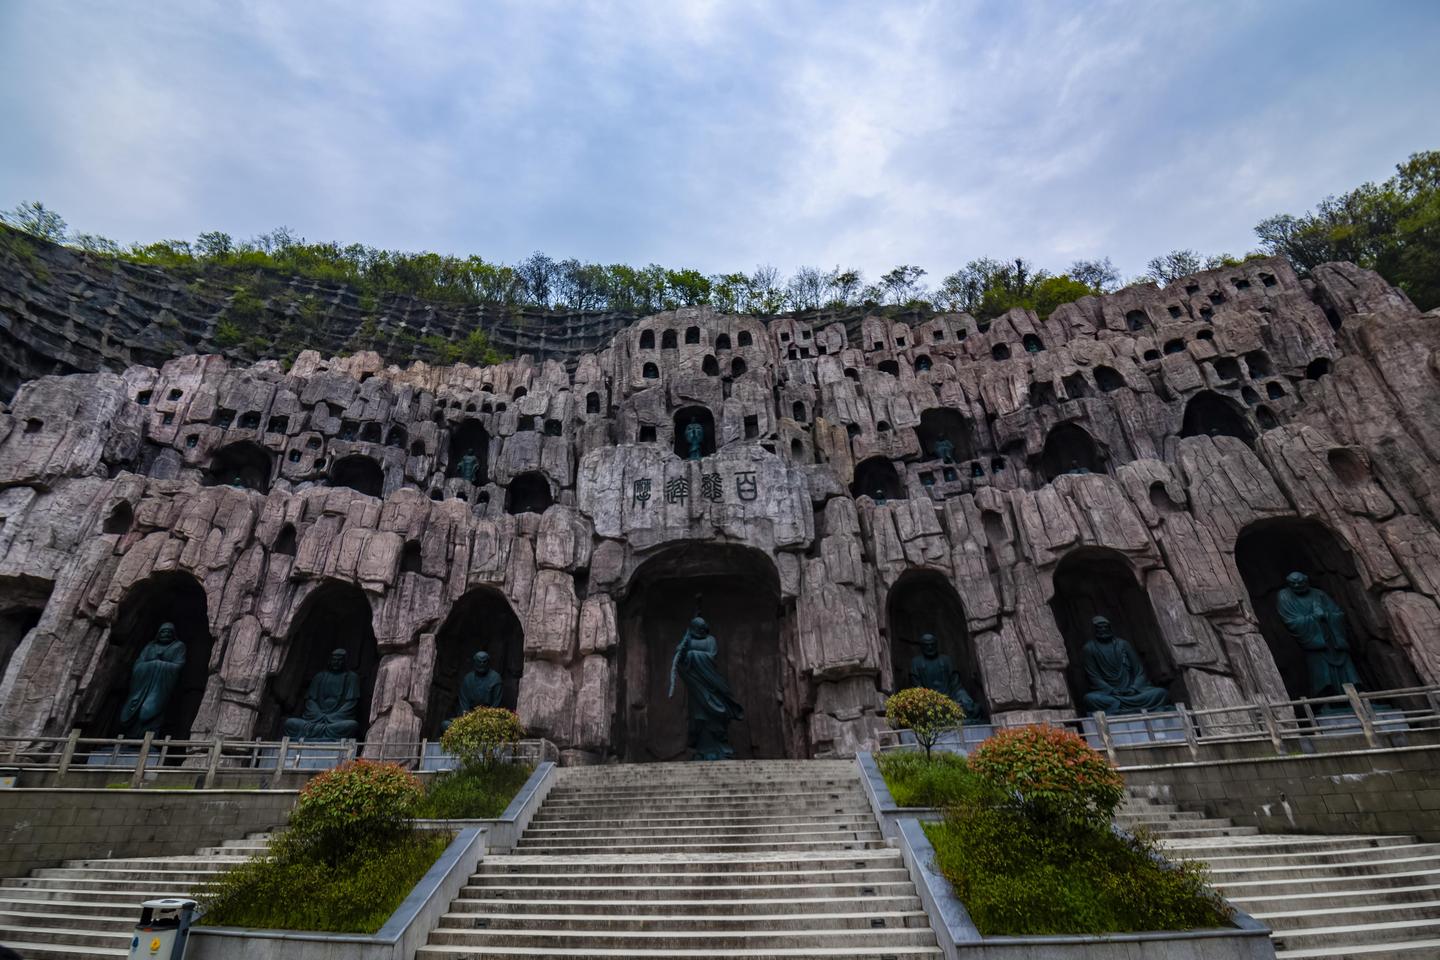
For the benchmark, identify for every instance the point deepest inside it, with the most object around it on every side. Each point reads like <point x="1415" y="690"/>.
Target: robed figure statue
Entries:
<point x="935" y="671"/>
<point x="481" y="687"/>
<point x="152" y="682"/>
<point x="1318" y="623"/>
<point x="329" y="704"/>
<point x="694" y="439"/>
<point x="1116" y="677"/>
<point x="712" y="706"/>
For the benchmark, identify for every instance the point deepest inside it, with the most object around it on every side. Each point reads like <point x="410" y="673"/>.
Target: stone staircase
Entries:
<point x="1363" y="897"/>
<point x="87" y="909"/>
<point x="749" y="859"/>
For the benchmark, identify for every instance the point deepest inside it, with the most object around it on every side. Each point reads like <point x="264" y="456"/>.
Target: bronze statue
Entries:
<point x="1077" y="468"/>
<point x="481" y="687"/>
<point x="935" y="671"/>
<point x="152" y="682"/>
<point x="469" y="466"/>
<point x="1318" y="623"/>
<point x="329" y="704"/>
<point x="945" y="450"/>
<point x="694" y="438"/>
<point x="1116" y="678"/>
<point x="712" y="706"/>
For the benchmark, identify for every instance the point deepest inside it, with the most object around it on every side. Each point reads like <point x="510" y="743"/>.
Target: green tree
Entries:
<point x="38" y="220"/>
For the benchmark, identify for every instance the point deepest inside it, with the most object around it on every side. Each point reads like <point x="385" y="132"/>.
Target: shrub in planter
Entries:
<point x="926" y="713"/>
<point x="357" y="804"/>
<point x="1051" y="774"/>
<point x="482" y="737"/>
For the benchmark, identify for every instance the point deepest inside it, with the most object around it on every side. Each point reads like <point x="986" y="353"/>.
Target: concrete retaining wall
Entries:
<point x="42" y="828"/>
<point x="1394" y="791"/>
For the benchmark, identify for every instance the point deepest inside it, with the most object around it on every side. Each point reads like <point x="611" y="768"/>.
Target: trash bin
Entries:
<point x="163" y="929"/>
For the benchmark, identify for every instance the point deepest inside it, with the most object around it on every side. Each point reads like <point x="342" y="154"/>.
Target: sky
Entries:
<point x="713" y="135"/>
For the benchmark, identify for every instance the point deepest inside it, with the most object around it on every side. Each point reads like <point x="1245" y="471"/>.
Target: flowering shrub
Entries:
<point x="1052" y="773"/>
<point x="357" y="804"/>
<point x="483" y="736"/>
<point x="926" y="713"/>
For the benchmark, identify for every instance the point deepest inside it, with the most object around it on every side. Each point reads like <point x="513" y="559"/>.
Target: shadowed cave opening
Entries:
<point x="470" y="435"/>
<point x="480" y="620"/>
<point x="172" y="597"/>
<point x="939" y="424"/>
<point x="359" y="473"/>
<point x="737" y="590"/>
<point x="877" y="477"/>
<point x="245" y="461"/>
<point x="334" y="615"/>
<point x="22" y="602"/>
<point x="1267" y="551"/>
<point x="1094" y="581"/>
<point x="1069" y="449"/>
<point x="923" y="601"/>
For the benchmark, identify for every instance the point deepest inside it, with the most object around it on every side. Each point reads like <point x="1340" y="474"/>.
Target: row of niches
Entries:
<point x="732" y="588"/>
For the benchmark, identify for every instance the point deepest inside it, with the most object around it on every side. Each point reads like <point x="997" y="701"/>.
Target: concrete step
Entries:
<point x="35" y="950"/>
<point x="69" y="936"/>
<point x="672" y="939"/>
<point x="1341" y="938"/>
<point x="546" y="822"/>
<point x="1372" y="864"/>
<point x="188" y="875"/>
<point x="1242" y="857"/>
<point x="1244" y="885"/>
<point x="1206" y="833"/>
<point x="1425" y="949"/>
<point x="695" y="891"/>
<point x="691" y="908"/>
<point x="566" y="849"/>
<point x="123" y="909"/>
<point x="1303" y="919"/>
<point x="117" y="924"/>
<point x="621" y="836"/>
<point x="514" y="865"/>
<point x="760" y="919"/>
<point x="679" y="876"/>
<point x="99" y="886"/>
<point x="888" y="952"/>
<point x="1355" y="896"/>
<point x="1279" y="844"/>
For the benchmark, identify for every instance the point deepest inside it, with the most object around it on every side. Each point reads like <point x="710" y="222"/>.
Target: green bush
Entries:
<point x="1018" y="876"/>
<point x="356" y="805"/>
<point x="474" y="792"/>
<point x="483" y="737"/>
<point x="1051" y="774"/>
<point x="293" y="890"/>
<point x="940" y="781"/>
<point x="926" y="713"/>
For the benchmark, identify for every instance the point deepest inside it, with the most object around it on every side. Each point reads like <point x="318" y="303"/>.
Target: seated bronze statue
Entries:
<point x="329" y="704"/>
<point x="935" y="671"/>
<point x="481" y="687"/>
<point x="1116" y="678"/>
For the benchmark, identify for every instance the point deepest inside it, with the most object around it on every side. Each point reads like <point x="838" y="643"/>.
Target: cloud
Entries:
<point x="709" y="134"/>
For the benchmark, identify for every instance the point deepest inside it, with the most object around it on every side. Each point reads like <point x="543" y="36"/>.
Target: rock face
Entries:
<point x="1163" y="457"/>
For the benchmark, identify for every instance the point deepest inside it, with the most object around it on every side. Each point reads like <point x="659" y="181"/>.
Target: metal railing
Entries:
<point x="1367" y="713"/>
<point x="208" y="761"/>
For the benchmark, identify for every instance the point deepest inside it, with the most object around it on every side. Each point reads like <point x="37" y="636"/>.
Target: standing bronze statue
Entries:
<point x="694" y="438"/>
<point x="935" y="671"/>
<point x="152" y="682"/>
<point x="330" y="704"/>
<point x="711" y="704"/>
<point x="481" y="687"/>
<point x="1116" y="677"/>
<point x="1318" y="624"/>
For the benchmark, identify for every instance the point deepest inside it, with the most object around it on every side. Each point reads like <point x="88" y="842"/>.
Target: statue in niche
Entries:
<point x="945" y="450"/>
<point x="469" y="466"/>
<point x="1318" y="623"/>
<point x="935" y="671"/>
<point x="879" y="497"/>
<point x="1116" y="677"/>
<point x="694" y="438"/>
<point x="712" y="706"/>
<point x="922" y="365"/>
<point x="329" y="704"/>
<point x="239" y="482"/>
<point x="1077" y="468"/>
<point x="482" y="687"/>
<point x="152" y="682"/>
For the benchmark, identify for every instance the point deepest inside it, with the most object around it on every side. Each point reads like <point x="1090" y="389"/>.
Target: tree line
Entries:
<point x="1392" y="227"/>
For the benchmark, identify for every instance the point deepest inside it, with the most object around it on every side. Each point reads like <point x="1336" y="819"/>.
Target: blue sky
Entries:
<point x="715" y="135"/>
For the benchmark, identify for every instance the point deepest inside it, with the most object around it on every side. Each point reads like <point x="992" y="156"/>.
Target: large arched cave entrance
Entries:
<point x="737" y="591"/>
<point x="923" y="601"/>
<point x="335" y="615"/>
<point x="480" y="620"/>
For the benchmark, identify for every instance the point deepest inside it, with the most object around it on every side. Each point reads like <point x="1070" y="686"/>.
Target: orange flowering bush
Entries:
<point x="357" y="804"/>
<point x="1051" y="773"/>
<point x="926" y="713"/>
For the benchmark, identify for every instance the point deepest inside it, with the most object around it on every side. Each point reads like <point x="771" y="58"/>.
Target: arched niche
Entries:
<point x="528" y="493"/>
<point x="737" y="590"/>
<point x="1207" y="414"/>
<point x="244" y="461"/>
<point x="481" y="619"/>
<point x="470" y="436"/>
<point x="701" y="415"/>
<point x="877" y="476"/>
<point x="940" y="424"/>
<point x="22" y="602"/>
<point x="1267" y="551"/>
<point x="1095" y="581"/>
<point x="360" y="473"/>
<point x="1069" y="449"/>
<point x="921" y="602"/>
<point x="333" y="616"/>
<point x="170" y="597"/>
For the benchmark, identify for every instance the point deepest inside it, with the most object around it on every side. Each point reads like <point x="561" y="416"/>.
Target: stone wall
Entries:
<point x="42" y="828"/>
<point x="860" y="476"/>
